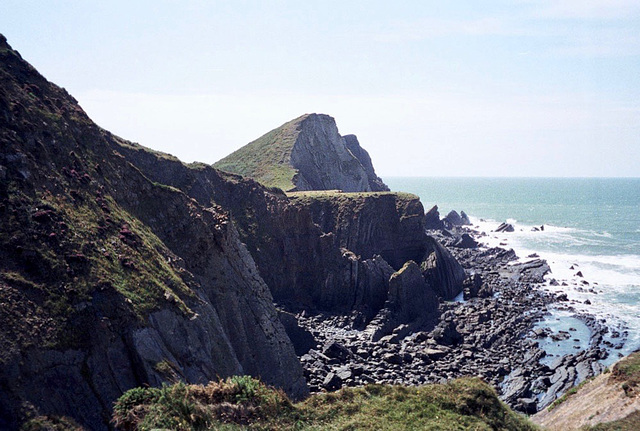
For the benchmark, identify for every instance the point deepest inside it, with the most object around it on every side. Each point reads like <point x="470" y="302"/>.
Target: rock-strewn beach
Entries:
<point x="493" y="332"/>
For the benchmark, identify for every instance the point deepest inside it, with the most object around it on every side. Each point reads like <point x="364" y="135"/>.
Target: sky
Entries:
<point x="431" y="88"/>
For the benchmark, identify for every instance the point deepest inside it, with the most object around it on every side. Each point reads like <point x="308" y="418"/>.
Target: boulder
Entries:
<point x="505" y="227"/>
<point x="528" y="406"/>
<point x="473" y="287"/>
<point x="302" y="340"/>
<point x="392" y="358"/>
<point x="332" y="382"/>
<point x="464" y="218"/>
<point x="465" y="241"/>
<point x="452" y="219"/>
<point x="410" y="297"/>
<point x="336" y="350"/>
<point x="532" y="271"/>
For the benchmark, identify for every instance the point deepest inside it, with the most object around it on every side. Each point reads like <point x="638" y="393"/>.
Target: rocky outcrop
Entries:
<point x="319" y="250"/>
<point x="432" y="219"/>
<point x="410" y="297"/>
<point x="454" y="219"/>
<point x="442" y="270"/>
<point x="375" y="182"/>
<point x="307" y="153"/>
<point x="504" y="227"/>
<point x="410" y="300"/>
<point x="108" y="279"/>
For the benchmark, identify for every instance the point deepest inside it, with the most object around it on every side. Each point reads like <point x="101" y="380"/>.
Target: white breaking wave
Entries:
<point x="611" y="283"/>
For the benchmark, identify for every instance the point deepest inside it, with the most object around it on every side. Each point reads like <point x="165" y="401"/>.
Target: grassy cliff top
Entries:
<point x="338" y="195"/>
<point x="245" y="403"/>
<point x="267" y="158"/>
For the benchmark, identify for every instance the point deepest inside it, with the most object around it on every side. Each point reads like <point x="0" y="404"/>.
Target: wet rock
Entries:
<point x="532" y="271"/>
<point x="505" y="227"/>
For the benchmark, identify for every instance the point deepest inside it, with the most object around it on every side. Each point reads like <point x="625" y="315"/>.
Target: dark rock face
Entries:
<point x="375" y="182"/>
<point x="454" y="219"/>
<point x="387" y="224"/>
<point x="432" y="219"/>
<point x="442" y="270"/>
<point x="322" y="159"/>
<point x="410" y="300"/>
<point x="333" y="252"/>
<point x="410" y="297"/>
<point x="302" y="340"/>
<point x="111" y="280"/>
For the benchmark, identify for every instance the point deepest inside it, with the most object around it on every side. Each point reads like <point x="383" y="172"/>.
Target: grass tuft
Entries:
<point x="241" y="402"/>
<point x="627" y="371"/>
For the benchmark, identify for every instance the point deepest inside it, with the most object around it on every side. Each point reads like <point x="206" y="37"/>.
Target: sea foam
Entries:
<point x="609" y="284"/>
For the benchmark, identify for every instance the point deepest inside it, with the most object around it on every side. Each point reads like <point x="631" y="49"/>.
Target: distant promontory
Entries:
<point x="307" y="153"/>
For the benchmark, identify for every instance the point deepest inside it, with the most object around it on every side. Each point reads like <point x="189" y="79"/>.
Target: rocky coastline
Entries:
<point x="493" y="331"/>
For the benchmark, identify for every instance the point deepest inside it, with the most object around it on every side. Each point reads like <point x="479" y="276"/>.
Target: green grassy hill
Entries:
<point x="267" y="159"/>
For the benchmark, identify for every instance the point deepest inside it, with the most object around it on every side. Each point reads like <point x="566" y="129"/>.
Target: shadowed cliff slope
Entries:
<point x="307" y="153"/>
<point x="322" y="250"/>
<point x="108" y="279"/>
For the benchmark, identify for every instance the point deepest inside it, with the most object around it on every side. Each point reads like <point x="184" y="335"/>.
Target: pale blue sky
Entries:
<point x="431" y="88"/>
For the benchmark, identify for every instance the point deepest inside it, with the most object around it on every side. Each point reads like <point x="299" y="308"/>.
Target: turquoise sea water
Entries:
<point x="591" y="224"/>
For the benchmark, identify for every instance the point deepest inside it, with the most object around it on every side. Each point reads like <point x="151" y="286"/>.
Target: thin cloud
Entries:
<point x="595" y="29"/>
<point x="588" y="9"/>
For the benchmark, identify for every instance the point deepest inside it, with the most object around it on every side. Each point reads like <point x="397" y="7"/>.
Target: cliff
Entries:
<point x="320" y="250"/>
<point x="110" y="280"/>
<point x="122" y="266"/>
<point x="307" y="153"/>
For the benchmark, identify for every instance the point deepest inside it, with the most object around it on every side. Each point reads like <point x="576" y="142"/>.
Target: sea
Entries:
<point x="591" y="235"/>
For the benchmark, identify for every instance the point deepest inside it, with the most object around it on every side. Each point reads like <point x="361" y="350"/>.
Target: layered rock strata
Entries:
<point x="109" y="280"/>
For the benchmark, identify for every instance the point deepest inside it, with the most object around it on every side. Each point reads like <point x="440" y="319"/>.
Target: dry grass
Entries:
<point x="607" y="402"/>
